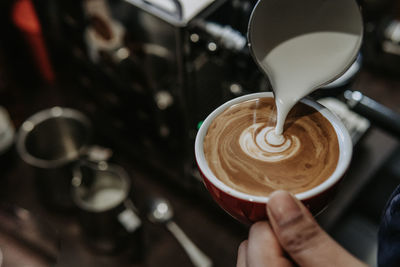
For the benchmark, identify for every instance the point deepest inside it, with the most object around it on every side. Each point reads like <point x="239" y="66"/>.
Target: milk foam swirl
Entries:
<point x="238" y="154"/>
<point x="254" y="143"/>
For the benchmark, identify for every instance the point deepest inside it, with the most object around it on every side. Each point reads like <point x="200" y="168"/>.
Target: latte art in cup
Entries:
<point x="254" y="142"/>
<point x="243" y="153"/>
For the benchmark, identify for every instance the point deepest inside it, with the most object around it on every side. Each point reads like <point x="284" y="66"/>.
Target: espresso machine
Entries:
<point x="149" y="71"/>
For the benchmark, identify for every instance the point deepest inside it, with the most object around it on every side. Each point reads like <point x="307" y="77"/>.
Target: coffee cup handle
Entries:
<point x="128" y="218"/>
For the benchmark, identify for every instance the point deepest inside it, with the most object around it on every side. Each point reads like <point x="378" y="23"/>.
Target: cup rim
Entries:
<point x="344" y="140"/>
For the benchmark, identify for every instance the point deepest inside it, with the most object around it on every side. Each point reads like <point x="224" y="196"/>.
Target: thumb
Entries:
<point x="301" y="237"/>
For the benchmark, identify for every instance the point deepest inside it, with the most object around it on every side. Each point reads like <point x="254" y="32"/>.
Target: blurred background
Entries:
<point x="109" y="94"/>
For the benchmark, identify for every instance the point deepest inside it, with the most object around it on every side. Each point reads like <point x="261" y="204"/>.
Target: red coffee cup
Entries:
<point x="248" y="208"/>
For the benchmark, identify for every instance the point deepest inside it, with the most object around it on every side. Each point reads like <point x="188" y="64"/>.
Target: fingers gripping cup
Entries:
<point x="241" y="163"/>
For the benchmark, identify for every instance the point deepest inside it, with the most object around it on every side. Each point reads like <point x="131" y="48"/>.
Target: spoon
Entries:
<point x="161" y="212"/>
<point x="303" y="45"/>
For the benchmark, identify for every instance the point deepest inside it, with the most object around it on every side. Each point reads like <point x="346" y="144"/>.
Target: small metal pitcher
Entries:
<point x="52" y="141"/>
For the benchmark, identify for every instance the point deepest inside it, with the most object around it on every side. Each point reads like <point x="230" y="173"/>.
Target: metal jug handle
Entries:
<point x="128" y="218"/>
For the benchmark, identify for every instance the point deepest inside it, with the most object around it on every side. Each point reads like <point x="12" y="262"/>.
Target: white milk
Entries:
<point x="105" y="198"/>
<point x="300" y="65"/>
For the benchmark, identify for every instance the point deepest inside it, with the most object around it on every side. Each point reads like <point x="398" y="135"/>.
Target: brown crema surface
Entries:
<point x="309" y="160"/>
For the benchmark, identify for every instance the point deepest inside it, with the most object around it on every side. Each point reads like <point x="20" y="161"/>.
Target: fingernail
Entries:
<point x="283" y="208"/>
